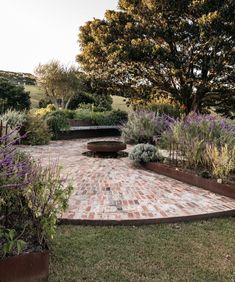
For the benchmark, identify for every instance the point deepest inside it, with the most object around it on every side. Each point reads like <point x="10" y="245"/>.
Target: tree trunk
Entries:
<point x="67" y="103"/>
<point x="55" y="103"/>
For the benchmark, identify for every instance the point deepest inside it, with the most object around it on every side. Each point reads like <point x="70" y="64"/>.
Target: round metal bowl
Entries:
<point x="106" y="146"/>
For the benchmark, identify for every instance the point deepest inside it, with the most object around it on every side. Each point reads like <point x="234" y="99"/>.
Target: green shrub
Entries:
<point x="56" y="122"/>
<point x="47" y="198"/>
<point x="103" y="102"/>
<point x="81" y="98"/>
<point x="13" y="96"/>
<point x="143" y="153"/>
<point x="32" y="197"/>
<point x="37" y="131"/>
<point x="70" y="114"/>
<point x="13" y="118"/>
<point x="204" y="142"/>
<point x="43" y="103"/>
<point x="118" y="117"/>
<point x="220" y="160"/>
<point x="170" y="110"/>
<point x="140" y="127"/>
<point x="83" y="115"/>
<point x="42" y="112"/>
<point x="101" y="118"/>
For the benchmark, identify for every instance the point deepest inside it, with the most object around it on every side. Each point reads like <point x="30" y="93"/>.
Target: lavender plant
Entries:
<point x="143" y="126"/>
<point x="195" y="133"/>
<point x="31" y="199"/>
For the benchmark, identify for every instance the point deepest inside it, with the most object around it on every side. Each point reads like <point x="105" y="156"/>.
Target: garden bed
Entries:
<point x="192" y="179"/>
<point x="28" y="267"/>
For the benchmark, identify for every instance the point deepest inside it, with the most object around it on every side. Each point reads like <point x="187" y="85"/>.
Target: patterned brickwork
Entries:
<point x="115" y="189"/>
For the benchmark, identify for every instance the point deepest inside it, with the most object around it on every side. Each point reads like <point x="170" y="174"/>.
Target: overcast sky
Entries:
<point x="34" y="31"/>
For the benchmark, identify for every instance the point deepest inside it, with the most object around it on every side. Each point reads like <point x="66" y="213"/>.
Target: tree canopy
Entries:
<point x="60" y="82"/>
<point x="183" y="49"/>
<point x="13" y="96"/>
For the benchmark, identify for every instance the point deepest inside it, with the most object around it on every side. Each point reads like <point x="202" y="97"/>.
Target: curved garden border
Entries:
<point x="195" y="180"/>
<point x="148" y="221"/>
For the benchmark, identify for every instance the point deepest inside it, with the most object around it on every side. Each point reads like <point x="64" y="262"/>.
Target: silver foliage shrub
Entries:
<point x="13" y="118"/>
<point x="140" y="127"/>
<point x="144" y="153"/>
<point x="143" y="126"/>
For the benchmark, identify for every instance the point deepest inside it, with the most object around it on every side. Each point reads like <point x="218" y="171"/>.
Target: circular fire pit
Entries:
<point x="106" y="146"/>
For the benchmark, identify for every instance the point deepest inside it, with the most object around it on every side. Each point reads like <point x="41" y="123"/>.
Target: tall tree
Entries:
<point x="60" y="82"/>
<point x="13" y="96"/>
<point x="184" y="49"/>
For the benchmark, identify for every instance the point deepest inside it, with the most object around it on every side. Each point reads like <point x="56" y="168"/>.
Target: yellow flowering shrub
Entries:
<point x="43" y="111"/>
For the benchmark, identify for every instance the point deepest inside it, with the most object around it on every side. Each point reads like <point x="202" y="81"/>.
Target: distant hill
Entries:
<point x="20" y="78"/>
<point x="36" y="93"/>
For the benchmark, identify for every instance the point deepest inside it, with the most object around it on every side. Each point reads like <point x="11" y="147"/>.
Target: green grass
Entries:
<point x="203" y="251"/>
<point x="120" y="104"/>
<point x="37" y="94"/>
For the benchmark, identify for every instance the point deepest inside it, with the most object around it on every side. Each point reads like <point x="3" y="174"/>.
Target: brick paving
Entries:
<point x="115" y="189"/>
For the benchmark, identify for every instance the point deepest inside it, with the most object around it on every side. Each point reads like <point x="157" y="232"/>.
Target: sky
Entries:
<point x="37" y="31"/>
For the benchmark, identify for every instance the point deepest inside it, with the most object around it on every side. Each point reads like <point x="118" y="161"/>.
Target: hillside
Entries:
<point x="36" y="93"/>
<point x="21" y="78"/>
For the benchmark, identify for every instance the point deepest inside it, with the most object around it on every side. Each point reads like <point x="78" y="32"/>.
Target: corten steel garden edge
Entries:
<point x="28" y="267"/>
<point x="192" y="179"/>
<point x="147" y="221"/>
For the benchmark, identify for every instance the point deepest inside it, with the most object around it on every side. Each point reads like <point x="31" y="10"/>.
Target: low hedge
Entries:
<point x="101" y="118"/>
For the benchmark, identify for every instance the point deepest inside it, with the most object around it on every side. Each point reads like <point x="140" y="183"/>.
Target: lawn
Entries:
<point x="36" y="94"/>
<point x="202" y="251"/>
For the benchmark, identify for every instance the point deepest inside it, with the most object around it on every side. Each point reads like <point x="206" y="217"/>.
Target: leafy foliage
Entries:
<point x="204" y="141"/>
<point x="13" y="118"/>
<point x="31" y="199"/>
<point x="47" y="197"/>
<point x="38" y="132"/>
<point x="57" y="121"/>
<point x="42" y="112"/>
<point x="221" y="160"/>
<point x="10" y="243"/>
<point x="43" y="103"/>
<point x="13" y="97"/>
<point x="184" y="50"/>
<point x="143" y="126"/>
<point x="81" y="98"/>
<point x="140" y="128"/>
<point x="101" y="118"/>
<point x="59" y="82"/>
<point x="166" y="107"/>
<point x="103" y="102"/>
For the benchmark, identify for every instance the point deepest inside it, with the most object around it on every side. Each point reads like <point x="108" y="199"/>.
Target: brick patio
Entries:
<point x="115" y="190"/>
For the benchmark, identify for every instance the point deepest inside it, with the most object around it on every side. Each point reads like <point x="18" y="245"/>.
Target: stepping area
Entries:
<point x="117" y="191"/>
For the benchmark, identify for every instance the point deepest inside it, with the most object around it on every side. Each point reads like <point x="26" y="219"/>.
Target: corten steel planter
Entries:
<point x="30" y="267"/>
<point x="106" y="146"/>
<point x="192" y="179"/>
